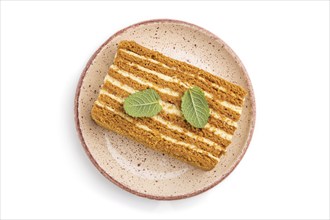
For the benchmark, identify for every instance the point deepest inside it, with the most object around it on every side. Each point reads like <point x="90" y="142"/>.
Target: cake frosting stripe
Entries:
<point x="169" y="111"/>
<point x="182" y="66"/>
<point x="137" y="68"/>
<point x="112" y="82"/>
<point x="142" y="64"/>
<point x="160" y="124"/>
<point x="142" y="61"/>
<point x="177" y="84"/>
<point x="165" y="93"/>
<point x="213" y="136"/>
<point x="174" y="83"/>
<point x="221" y="132"/>
<point x="116" y="121"/>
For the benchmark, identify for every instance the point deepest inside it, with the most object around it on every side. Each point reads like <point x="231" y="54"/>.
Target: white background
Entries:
<point x="46" y="174"/>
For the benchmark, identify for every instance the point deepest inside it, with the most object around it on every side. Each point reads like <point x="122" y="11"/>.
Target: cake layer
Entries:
<point x="170" y="110"/>
<point x="160" y="124"/>
<point x="218" y="136"/>
<point x="112" y="82"/>
<point x="136" y="68"/>
<point x="127" y="59"/>
<point x="221" y="133"/>
<point x="183" y="67"/>
<point x="117" y="121"/>
<point x="166" y="94"/>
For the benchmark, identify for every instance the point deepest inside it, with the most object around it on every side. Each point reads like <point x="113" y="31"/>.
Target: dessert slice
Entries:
<point x="136" y="68"/>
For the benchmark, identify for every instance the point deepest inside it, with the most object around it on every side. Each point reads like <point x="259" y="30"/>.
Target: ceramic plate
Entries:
<point x="133" y="166"/>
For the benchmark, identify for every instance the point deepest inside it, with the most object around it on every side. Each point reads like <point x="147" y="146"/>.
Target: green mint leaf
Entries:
<point x="194" y="107"/>
<point x="143" y="104"/>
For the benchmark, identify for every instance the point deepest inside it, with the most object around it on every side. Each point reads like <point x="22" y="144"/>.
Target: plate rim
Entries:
<point x="105" y="174"/>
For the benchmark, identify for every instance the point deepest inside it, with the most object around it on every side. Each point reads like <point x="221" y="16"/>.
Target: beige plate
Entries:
<point x="134" y="167"/>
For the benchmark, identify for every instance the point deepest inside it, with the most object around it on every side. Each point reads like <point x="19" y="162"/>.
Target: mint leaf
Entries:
<point x="194" y="107"/>
<point x="143" y="104"/>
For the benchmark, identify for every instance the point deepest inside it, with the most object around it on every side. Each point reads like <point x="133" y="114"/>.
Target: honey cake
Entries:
<point x="136" y="68"/>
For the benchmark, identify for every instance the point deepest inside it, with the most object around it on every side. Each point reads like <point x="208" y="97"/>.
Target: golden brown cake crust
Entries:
<point x="182" y="66"/>
<point x="137" y="68"/>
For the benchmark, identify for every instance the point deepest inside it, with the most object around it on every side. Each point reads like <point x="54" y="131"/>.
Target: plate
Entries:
<point x="133" y="166"/>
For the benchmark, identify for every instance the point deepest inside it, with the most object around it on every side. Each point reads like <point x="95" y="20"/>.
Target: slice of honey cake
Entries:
<point x="137" y="68"/>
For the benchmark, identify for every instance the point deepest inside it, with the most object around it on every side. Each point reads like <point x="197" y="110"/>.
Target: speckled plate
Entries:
<point x="133" y="166"/>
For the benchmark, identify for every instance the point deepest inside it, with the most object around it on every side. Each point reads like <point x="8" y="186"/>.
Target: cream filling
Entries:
<point x="235" y="108"/>
<point x="188" y="133"/>
<point x="167" y="78"/>
<point x="219" y="132"/>
<point x="169" y="108"/>
<point x="173" y="68"/>
<point x="146" y="128"/>
<point x="211" y="128"/>
<point x="191" y="146"/>
<point x="146" y="58"/>
<point x="223" y="118"/>
<point x="118" y="99"/>
<point x="144" y="82"/>
<point x="119" y="84"/>
<point x="163" y="90"/>
<point x="161" y="76"/>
